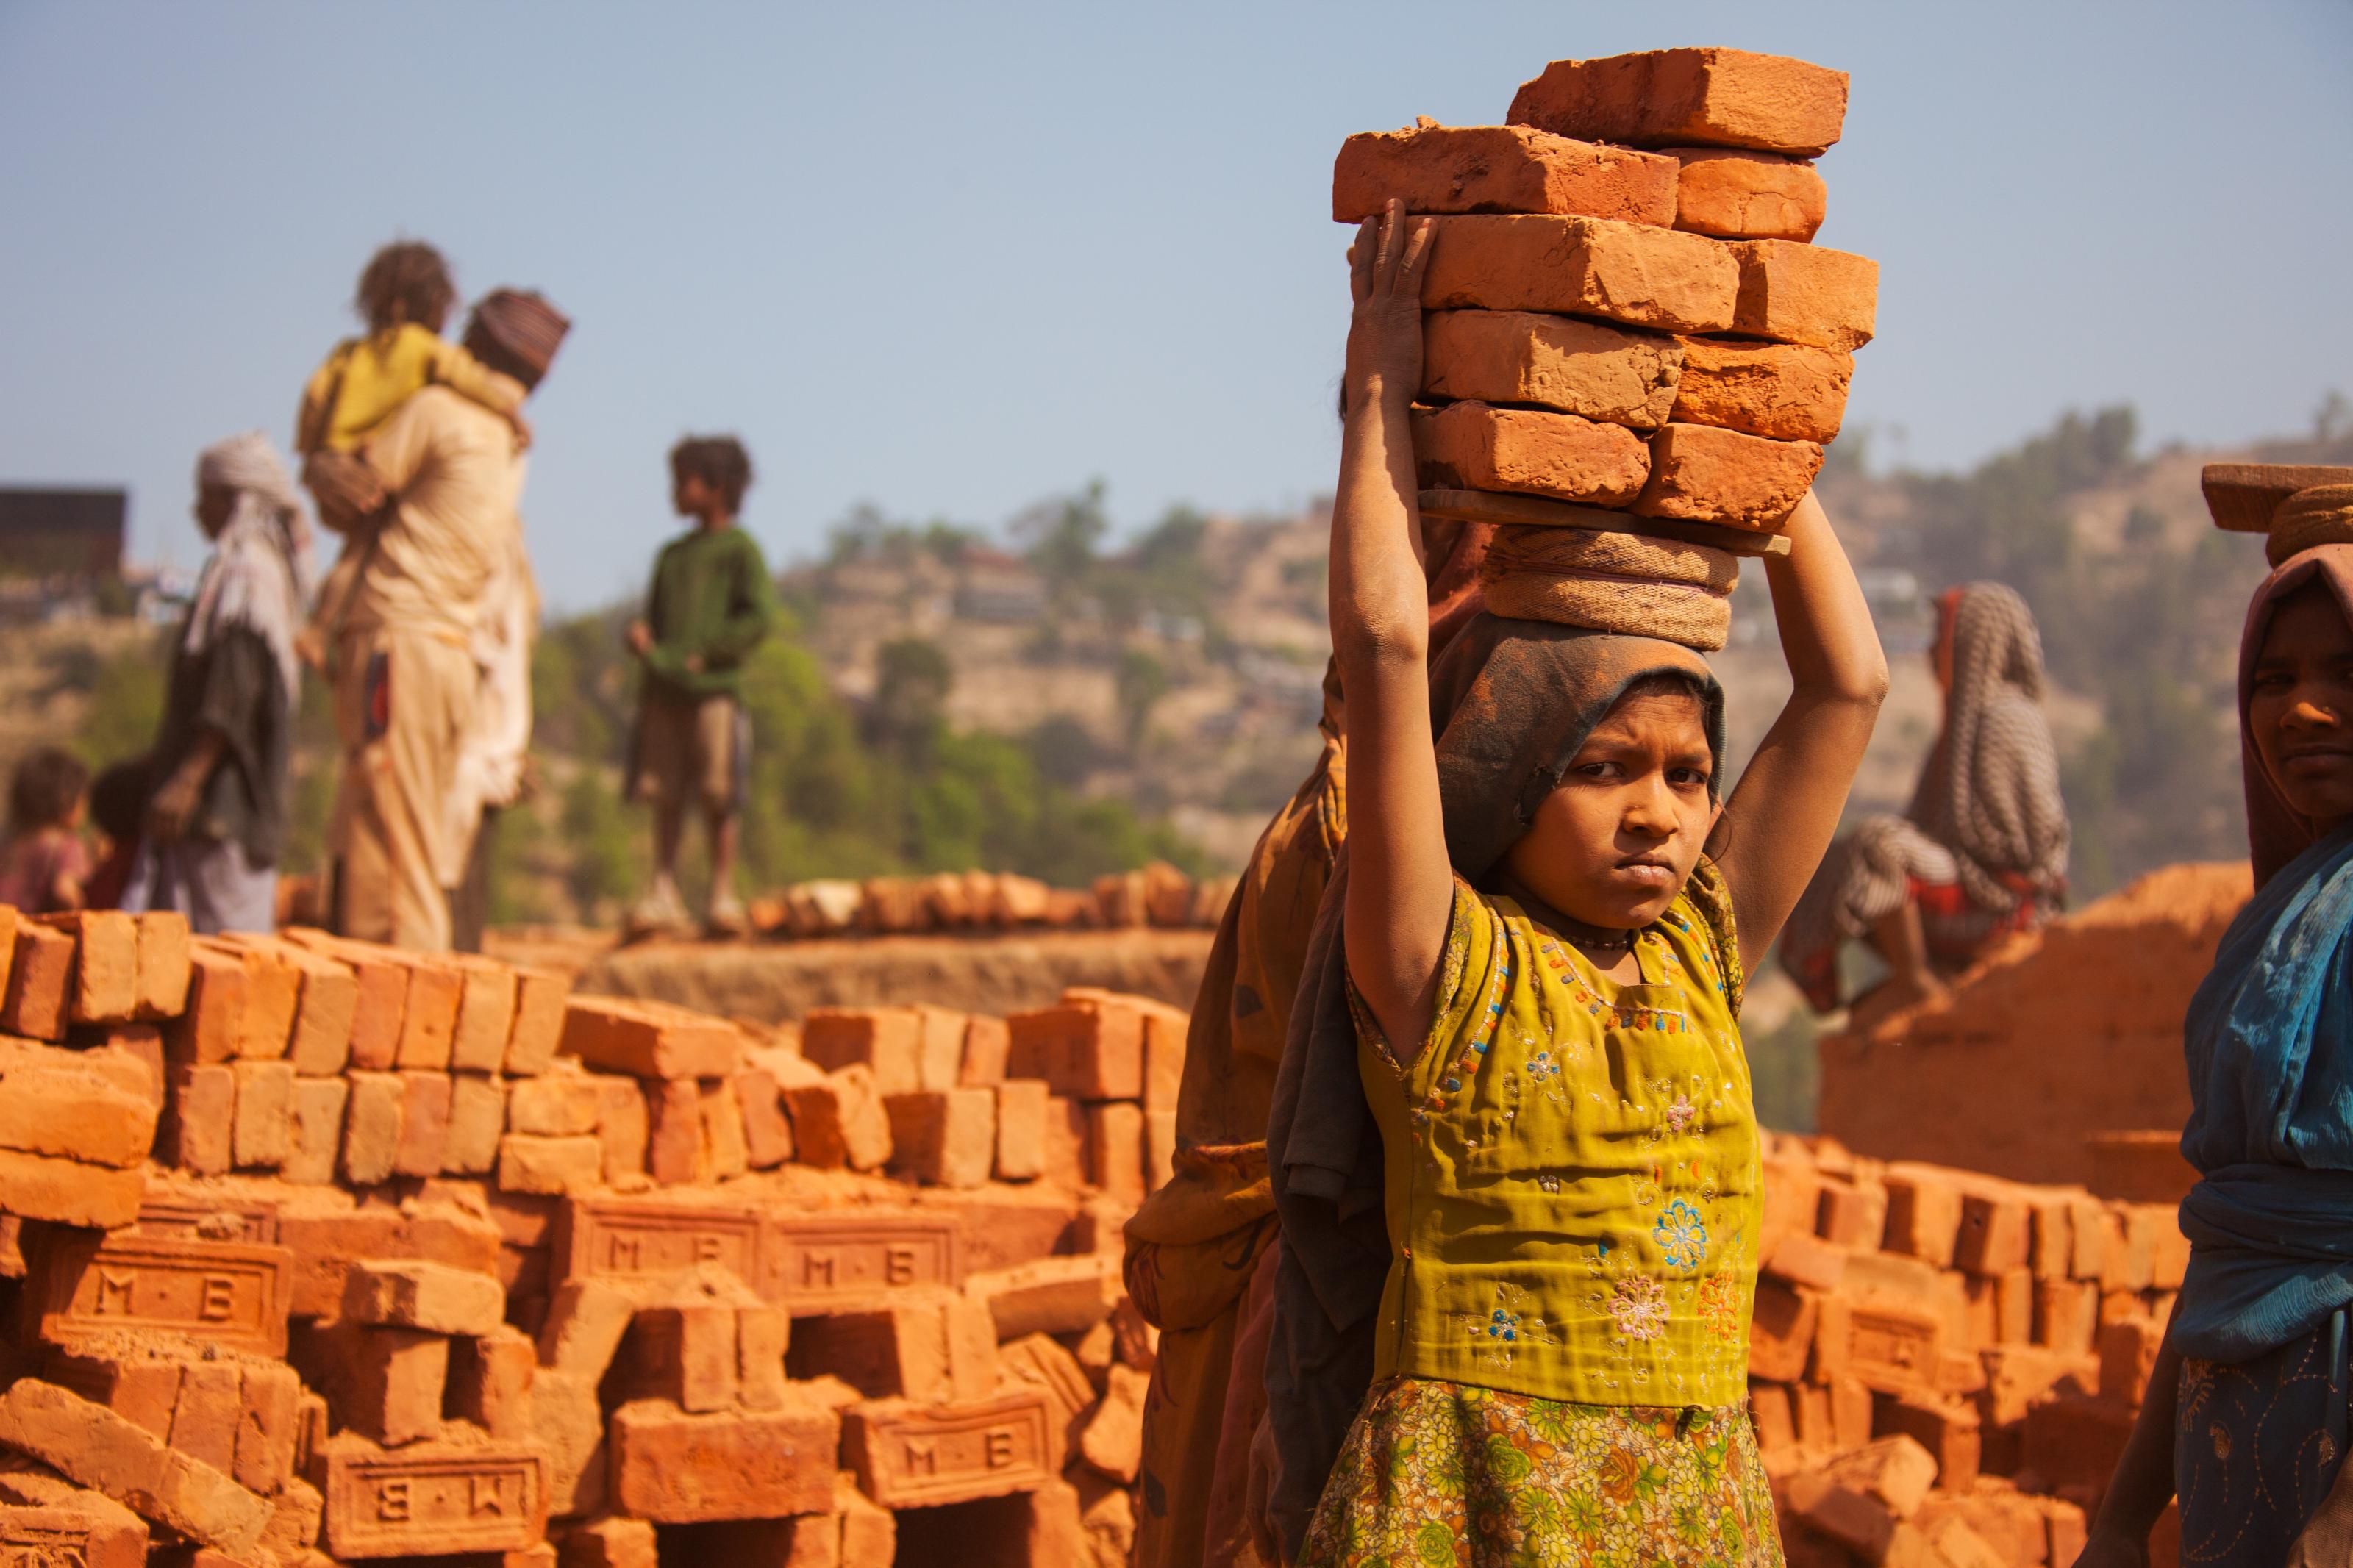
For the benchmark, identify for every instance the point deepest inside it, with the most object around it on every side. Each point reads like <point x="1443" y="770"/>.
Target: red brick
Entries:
<point x="2066" y="1314"/>
<point x="1583" y="267"/>
<point x="1498" y="169"/>
<point x="428" y="1024"/>
<point x="1086" y="1050"/>
<point x="622" y="1128"/>
<point x="269" y="1418"/>
<point x="674" y="1147"/>
<point x="683" y="1353"/>
<point x="1805" y="294"/>
<point x="139" y="1385"/>
<point x="907" y="1456"/>
<point x="675" y="1467"/>
<point x="2050" y="1235"/>
<point x="840" y="1121"/>
<point x="1994" y="1232"/>
<point x="609" y="1543"/>
<point x="2168" y="1251"/>
<point x="92" y="1445"/>
<point x="1065" y="1142"/>
<point x="830" y="1263"/>
<point x="2013" y="1306"/>
<point x="326" y="998"/>
<point x="1887" y="1346"/>
<point x="985" y="1043"/>
<point x="75" y="1105"/>
<point x="531" y="1163"/>
<point x="939" y="1048"/>
<point x="205" y="1415"/>
<point x="768" y="1131"/>
<point x="1861" y="1523"/>
<point x="1021" y="1105"/>
<point x="1781" y="1333"/>
<point x="197" y="1131"/>
<point x="1703" y="97"/>
<point x="259" y="1134"/>
<point x="478" y="1118"/>
<point x="295" y="1513"/>
<point x="424" y="1123"/>
<point x="40" y="982"/>
<point x="327" y="1237"/>
<point x="541" y="996"/>
<point x="2074" y="1441"/>
<point x="1782" y="392"/>
<point x="1049" y="1295"/>
<point x="1947" y="1429"/>
<point x="78" y="1528"/>
<point x="486" y="1012"/>
<point x="2128" y="1352"/>
<point x="1739" y="194"/>
<point x="409" y="1293"/>
<point x="1476" y="446"/>
<point x="944" y="1137"/>
<point x="1808" y="1260"/>
<point x="2021" y="1376"/>
<point x="432" y="1499"/>
<point x="1770" y="1412"/>
<point x="1116" y="1149"/>
<point x="1924" y="1213"/>
<point x="651" y="1039"/>
<point x="273" y="992"/>
<point x="1700" y="473"/>
<point x="2088" y="1237"/>
<point x="1853" y="1213"/>
<point x="1585" y="368"/>
<point x="762" y="1335"/>
<point x="724" y="1153"/>
<point x="380" y="1008"/>
<point x="386" y="1383"/>
<point x="888" y="1040"/>
<point x="163" y="988"/>
<point x="559" y="1105"/>
<point x="1111" y="1440"/>
<point x="104" y="988"/>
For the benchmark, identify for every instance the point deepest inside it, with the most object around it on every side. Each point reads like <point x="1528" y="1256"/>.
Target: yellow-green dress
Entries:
<point x="1572" y="1171"/>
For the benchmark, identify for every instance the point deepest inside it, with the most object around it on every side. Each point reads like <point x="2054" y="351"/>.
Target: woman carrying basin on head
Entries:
<point x="1513" y="1148"/>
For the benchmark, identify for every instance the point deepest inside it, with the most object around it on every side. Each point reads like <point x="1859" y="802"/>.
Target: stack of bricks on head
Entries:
<point x="318" y="1251"/>
<point x="1625" y="312"/>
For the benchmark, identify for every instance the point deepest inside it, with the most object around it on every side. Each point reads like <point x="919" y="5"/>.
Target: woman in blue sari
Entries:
<point x="2245" y="1420"/>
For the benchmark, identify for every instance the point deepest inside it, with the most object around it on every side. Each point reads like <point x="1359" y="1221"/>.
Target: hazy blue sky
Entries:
<point x="951" y="258"/>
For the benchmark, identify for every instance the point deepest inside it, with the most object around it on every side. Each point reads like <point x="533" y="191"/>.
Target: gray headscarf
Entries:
<point x="260" y="574"/>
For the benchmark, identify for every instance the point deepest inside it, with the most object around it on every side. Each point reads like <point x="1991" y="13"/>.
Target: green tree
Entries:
<point x="1140" y="681"/>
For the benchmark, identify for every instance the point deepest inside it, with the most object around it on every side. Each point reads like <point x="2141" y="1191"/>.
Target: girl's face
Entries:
<point x="2300" y="706"/>
<point x="1614" y="844"/>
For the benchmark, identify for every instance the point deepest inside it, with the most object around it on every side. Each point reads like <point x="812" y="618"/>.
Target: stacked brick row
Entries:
<point x="1158" y="895"/>
<point x="575" y="1332"/>
<point x="1945" y="1366"/>
<point x="1624" y="307"/>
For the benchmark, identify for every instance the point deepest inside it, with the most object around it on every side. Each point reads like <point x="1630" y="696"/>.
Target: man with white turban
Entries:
<point x="429" y="502"/>
<point x="217" y="818"/>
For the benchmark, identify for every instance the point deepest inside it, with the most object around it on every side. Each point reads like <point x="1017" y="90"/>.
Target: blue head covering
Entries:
<point x="2269" y="1042"/>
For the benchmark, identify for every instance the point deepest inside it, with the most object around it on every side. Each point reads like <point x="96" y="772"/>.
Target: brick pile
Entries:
<point x="318" y="1251"/>
<point x="1158" y="895"/>
<point x="1625" y="308"/>
<point x="1945" y="1366"/>
<point x="1975" y="1079"/>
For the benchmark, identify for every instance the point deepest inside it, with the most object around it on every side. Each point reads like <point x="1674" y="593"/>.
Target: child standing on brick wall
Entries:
<point x="1516" y="1042"/>
<point x="45" y="863"/>
<point x="710" y="604"/>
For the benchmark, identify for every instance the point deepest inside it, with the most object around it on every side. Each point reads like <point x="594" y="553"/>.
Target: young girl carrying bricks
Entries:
<point x="1514" y="1149"/>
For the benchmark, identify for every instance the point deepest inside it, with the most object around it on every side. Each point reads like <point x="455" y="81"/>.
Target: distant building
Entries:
<point x="71" y="535"/>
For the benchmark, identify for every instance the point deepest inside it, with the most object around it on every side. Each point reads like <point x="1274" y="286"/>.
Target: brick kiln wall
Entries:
<point x="2053" y="1037"/>
<point x="319" y="1252"/>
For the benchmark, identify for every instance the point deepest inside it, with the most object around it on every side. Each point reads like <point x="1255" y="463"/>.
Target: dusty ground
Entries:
<point x="776" y="981"/>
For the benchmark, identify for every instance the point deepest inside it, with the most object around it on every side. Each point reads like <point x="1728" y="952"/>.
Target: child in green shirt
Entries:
<point x="710" y="604"/>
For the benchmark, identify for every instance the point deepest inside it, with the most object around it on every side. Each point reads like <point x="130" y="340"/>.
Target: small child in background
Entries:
<point x="404" y="295"/>
<point x="45" y="863"/>
<point x="707" y="607"/>
<point x="118" y="809"/>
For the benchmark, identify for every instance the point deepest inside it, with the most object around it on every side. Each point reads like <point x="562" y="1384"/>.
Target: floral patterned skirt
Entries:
<point x="1442" y="1475"/>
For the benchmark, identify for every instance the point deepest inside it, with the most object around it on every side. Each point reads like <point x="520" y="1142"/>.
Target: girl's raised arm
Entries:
<point x="1400" y="888"/>
<point x="1781" y="818"/>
